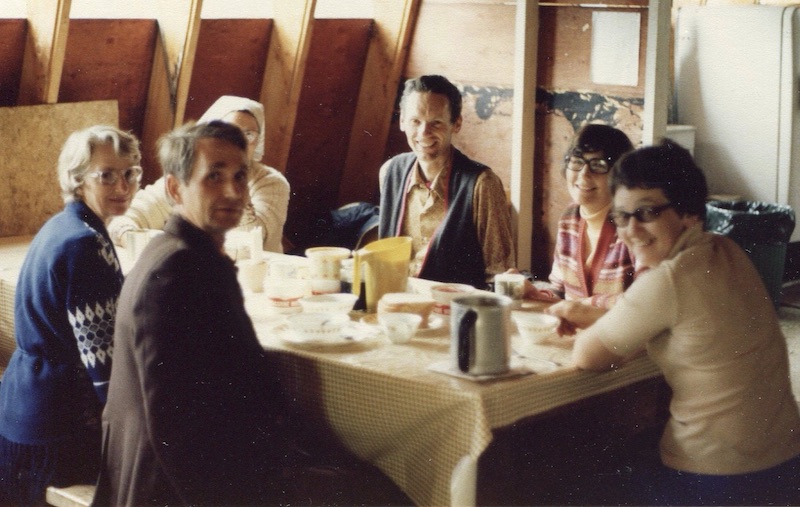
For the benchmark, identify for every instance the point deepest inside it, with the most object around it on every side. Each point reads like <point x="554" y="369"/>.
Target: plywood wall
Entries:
<point x="31" y="138"/>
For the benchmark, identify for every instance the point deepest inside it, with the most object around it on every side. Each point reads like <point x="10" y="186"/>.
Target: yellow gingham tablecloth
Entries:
<point x="425" y="429"/>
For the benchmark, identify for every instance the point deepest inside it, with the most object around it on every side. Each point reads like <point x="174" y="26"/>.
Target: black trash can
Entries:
<point x="762" y="230"/>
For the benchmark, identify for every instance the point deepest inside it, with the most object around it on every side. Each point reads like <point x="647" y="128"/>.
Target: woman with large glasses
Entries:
<point x="267" y="187"/>
<point x="703" y="315"/>
<point x="590" y="263"/>
<point x="53" y="392"/>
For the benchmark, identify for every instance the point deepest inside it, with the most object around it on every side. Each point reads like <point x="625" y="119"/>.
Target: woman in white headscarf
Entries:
<point x="268" y="188"/>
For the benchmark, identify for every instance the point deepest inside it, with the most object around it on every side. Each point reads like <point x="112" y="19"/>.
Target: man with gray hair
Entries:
<point x="193" y="414"/>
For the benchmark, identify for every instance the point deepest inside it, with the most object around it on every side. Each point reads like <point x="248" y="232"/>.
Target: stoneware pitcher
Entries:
<point x="480" y="342"/>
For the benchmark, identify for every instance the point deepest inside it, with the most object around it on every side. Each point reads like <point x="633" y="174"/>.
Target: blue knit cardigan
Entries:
<point x="66" y="298"/>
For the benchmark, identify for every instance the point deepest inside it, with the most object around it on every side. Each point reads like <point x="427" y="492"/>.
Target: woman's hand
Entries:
<point x="532" y="293"/>
<point x="574" y="316"/>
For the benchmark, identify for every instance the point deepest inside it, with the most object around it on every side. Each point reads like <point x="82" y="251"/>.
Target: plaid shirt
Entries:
<point x="611" y="271"/>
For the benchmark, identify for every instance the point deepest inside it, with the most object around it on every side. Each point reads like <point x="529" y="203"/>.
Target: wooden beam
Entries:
<point x="386" y="60"/>
<point x="44" y="51"/>
<point x="283" y="76"/>
<point x="523" y="139"/>
<point x="657" y="80"/>
<point x="173" y="60"/>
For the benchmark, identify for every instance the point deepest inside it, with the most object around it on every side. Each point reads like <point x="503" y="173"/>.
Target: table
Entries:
<point x="424" y="429"/>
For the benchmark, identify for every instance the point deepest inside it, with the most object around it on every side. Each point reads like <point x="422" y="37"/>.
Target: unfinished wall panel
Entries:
<point x="325" y="114"/>
<point x="31" y="138"/>
<point x="12" y="49"/>
<point x="236" y="71"/>
<point x="110" y="60"/>
<point x="567" y="99"/>
<point x="472" y="44"/>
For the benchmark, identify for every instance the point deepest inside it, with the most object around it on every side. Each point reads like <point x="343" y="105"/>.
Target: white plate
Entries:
<point x="435" y="323"/>
<point x="516" y="369"/>
<point x="354" y="335"/>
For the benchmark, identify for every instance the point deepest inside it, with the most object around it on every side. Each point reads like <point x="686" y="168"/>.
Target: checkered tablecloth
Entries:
<point x="425" y="429"/>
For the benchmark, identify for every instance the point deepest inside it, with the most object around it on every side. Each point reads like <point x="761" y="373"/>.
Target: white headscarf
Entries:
<point x="230" y="103"/>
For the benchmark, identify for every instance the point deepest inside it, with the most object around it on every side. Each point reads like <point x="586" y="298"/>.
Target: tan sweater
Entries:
<point x="707" y="321"/>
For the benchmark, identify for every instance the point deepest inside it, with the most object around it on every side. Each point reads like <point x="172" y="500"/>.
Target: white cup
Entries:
<point x="511" y="285"/>
<point x="282" y="270"/>
<point x="326" y="261"/>
<point x="283" y="296"/>
<point x="252" y="273"/>
<point x="399" y="327"/>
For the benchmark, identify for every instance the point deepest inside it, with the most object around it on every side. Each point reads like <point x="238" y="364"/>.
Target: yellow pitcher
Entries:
<point x="385" y="263"/>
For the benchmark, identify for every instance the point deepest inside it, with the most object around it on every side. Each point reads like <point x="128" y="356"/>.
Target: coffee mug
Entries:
<point x="480" y="342"/>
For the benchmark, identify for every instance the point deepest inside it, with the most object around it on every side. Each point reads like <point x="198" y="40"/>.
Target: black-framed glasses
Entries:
<point x="643" y="215"/>
<point x="596" y="165"/>
<point x="110" y="177"/>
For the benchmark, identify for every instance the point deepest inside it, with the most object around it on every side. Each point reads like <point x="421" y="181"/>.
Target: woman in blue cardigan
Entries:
<point x="54" y="389"/>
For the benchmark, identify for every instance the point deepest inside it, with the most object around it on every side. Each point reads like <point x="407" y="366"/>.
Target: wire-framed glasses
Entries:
<point x="643" y="215"/>
<point x="110" y="177"/>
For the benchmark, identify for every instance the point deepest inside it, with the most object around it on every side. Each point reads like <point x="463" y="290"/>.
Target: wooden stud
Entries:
<point x="44" y="51"/>
<point x="523" y="137"/>
<point x="173" y="60"/>
<point x="283" y="76"/>
<point x="657" y="75"/>
<point x="386" y="59"/>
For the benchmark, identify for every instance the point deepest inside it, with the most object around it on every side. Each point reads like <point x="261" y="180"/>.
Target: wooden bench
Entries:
<point x="78" y="495"/>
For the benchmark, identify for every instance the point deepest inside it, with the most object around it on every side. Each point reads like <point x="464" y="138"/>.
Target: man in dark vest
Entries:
<point x="454" y="208"/>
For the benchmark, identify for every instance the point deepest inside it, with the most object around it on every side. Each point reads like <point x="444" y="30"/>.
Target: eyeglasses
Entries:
<point x="643" y="215"/>
<point x="110" y="177"/>
<point x="250" y="135"/>
<point x="596" y="165"/>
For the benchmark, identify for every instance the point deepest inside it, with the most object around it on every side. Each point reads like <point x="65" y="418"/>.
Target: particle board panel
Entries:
<point x="220" y="72"/>
<point x="31" y="138"/>
<point x="12" y="49"/>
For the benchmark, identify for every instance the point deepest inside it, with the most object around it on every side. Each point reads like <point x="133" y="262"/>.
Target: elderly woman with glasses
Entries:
<point x="702" y="313"/>
<point x="53" y="392"/>
<point x="590" y="263"/>
<point x="267" y="188"/>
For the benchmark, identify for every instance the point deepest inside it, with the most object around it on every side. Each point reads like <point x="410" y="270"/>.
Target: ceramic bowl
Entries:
<point x="333" y="303"/>
<point x="318" y="326"/>
<point x="535" y="327"/>
<point x="405" y="302"/>
<point x="444" y="293"/>
<point x="399" y="327"/>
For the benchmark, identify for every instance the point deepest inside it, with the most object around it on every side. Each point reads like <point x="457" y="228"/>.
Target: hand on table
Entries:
<point x="574" y="316"/>
<point x="531" y="293"/>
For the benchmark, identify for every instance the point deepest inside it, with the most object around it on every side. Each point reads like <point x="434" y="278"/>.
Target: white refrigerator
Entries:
<point x="736" y="81"/>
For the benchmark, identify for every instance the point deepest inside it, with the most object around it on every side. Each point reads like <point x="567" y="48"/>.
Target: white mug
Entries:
<point x="480" y="342"/>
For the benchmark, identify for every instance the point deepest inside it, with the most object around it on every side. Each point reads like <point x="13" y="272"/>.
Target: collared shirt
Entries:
<point x="426" y="207"/>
